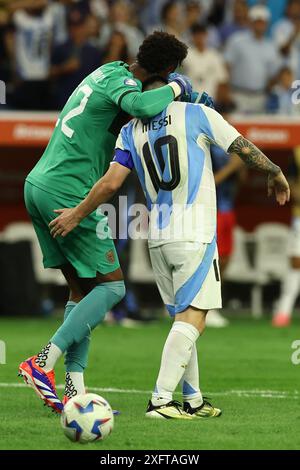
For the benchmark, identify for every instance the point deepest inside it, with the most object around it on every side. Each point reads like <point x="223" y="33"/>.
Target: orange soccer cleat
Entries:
<point x="42" y="382"/>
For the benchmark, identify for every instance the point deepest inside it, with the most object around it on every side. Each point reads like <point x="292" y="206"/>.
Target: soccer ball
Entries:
<point x="87" y="418"/>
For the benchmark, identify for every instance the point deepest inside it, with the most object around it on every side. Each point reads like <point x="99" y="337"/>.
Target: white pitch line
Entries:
<point x="238" y="393"/>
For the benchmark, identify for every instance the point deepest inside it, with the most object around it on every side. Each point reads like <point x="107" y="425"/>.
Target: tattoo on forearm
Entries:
<point x="252" y="156"/>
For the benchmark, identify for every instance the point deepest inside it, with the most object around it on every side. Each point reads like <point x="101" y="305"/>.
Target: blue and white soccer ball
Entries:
<point x="87" y="418"/>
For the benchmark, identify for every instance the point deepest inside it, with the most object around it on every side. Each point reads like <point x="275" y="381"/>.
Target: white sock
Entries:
<point x="175" y="358"/>
<point x="48" y="356"/>
<point x="190" y="381"/>
<point x="74" y="384"/>
<point x="290" y="291"/>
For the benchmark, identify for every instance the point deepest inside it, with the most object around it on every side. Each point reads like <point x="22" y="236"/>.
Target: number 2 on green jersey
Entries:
<point x="87" y="91"/>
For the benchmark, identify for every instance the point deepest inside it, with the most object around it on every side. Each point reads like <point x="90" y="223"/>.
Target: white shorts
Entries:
<point x="294" y="239"/>
<point x="187" y="273"/>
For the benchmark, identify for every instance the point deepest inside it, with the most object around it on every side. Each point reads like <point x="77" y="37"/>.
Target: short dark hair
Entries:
<point x="76" y="17"/>
<point x="161" y="51"/>
<point x="197" y="28"/>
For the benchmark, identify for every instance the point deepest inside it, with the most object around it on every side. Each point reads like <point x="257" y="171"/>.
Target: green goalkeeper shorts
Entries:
<point x="89" y="247"/>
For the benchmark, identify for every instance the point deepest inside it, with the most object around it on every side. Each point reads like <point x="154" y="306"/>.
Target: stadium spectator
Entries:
<point x="149" y="13"/>
<point x="253" y="62"/>
<point x="204" y="65"/>
<point x="94" y="25"/>
<point x="280" y="98"/>
<point x="173" y="19"/>
<point x="34" y="31"/>
<point x="123" y="20"/>
<point x="207" y="7"/>
<point x="73" y="60"/>
<point x="194" y="13"/>
<point x="59" y="13"/>
<point x="239" y="22"/>
<point x="286" y="34"/>
<point x="216" y="12"/>
<point x="113" y="29"/>
<point x="99" y="8"/>
<point x="83" y="5"/>
<point x="276" y="7"/>
<point x="117" y="48"/>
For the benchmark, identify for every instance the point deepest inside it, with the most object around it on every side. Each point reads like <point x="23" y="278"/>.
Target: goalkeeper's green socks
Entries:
<point x="81" y="320"/>
<point x="75" y="361"/>
<point x="77" y="354"/>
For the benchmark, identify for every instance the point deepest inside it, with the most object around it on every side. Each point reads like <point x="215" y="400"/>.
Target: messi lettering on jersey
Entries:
<point x="156" y="125"/>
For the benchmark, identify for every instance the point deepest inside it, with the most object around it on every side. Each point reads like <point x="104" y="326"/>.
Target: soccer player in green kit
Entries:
<point x="78" y="155"/>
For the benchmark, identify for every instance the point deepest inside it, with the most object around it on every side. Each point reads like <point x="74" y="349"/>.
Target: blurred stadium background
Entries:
<point x="47" y="47"/>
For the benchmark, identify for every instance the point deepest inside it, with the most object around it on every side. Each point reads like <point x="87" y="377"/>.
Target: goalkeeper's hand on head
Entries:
<point x="184" y="83"/>
<point x="187" y="93"/>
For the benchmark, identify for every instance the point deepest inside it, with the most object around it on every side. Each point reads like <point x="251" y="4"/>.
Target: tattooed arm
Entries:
<point x="252" y="156"/>
<point x="255" y="158"/>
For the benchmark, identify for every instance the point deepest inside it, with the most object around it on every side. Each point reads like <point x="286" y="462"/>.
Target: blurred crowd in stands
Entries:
<point x="245" y="53"/>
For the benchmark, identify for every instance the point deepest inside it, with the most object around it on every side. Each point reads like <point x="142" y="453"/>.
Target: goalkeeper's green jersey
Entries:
<point x="82" y="144"/>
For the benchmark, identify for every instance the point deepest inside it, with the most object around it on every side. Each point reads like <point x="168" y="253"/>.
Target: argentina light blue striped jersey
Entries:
<point x="171" y="155"/>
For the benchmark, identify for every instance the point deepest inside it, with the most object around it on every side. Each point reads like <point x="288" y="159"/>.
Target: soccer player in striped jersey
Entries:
<point x="171" y="155"/>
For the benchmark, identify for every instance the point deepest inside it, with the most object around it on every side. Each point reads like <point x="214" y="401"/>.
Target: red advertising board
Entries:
<point x="33" y="129"/>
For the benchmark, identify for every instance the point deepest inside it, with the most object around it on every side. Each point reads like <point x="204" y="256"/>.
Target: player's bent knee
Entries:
<point x="120" y="290"/>
<point x="116" y="291"/>
<point x="110" y="294"/>
<point x="113" y="292"/>
<point x="93" y="309"/>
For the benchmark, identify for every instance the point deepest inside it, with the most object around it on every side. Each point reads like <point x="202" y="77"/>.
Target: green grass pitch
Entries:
<point x="246" y="369"/>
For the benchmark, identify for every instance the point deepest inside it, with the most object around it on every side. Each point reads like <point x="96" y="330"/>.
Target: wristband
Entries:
<point x="176" y="89"/>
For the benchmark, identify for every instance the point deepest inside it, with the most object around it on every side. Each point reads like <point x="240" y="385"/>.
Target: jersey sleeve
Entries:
<point x="122" y="151"/>
<point x="219" y="131"/>
<point x="121" y="86"/>
<point x="126" y="93"/>
<point x="149" y="103"/>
